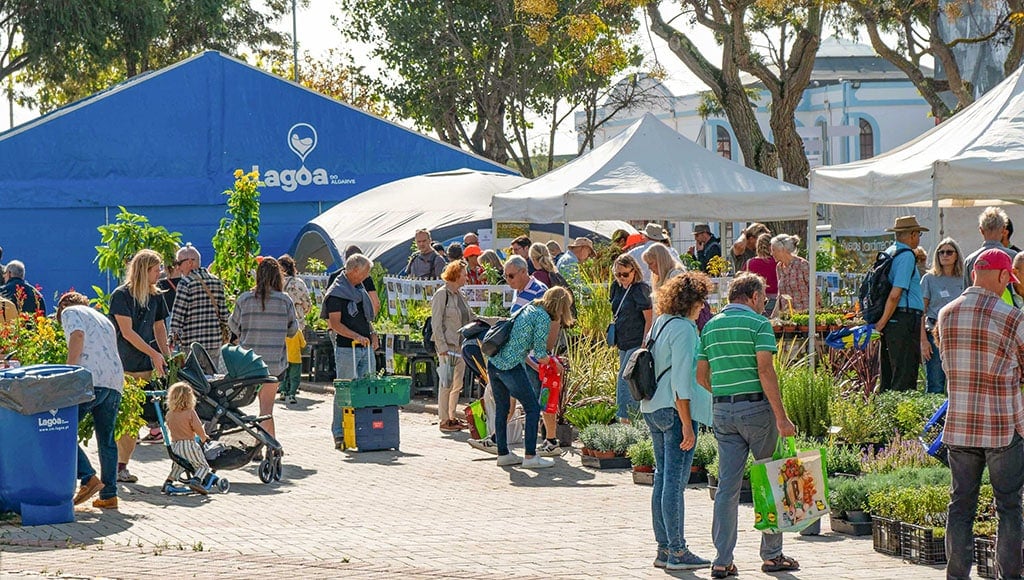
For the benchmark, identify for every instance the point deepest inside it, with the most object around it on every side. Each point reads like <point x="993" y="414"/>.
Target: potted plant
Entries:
<point x="746" y="496"/>
<point x="641" y="455"/>
<point x="608" y="444"/>
<point x="704" y="452"/>
<point x="848" y="499"/>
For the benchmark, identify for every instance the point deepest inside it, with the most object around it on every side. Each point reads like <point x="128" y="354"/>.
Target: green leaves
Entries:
<point x="236" y="242"/>
<point x="128" y="234"/>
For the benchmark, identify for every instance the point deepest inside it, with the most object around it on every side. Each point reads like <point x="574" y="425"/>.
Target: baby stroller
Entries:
<point x="219" y="399"/>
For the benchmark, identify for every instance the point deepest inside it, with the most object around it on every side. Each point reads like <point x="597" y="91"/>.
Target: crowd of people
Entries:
<point x="960" y="316"/>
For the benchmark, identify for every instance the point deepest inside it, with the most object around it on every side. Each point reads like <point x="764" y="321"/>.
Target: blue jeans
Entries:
<point x="935" y="377"/>
<point x="671" y="474"/>
<point x="1006" y="472"/>
<point x="623" y="400"/>
<point x="344" y="370"/>
<point x="740" y="428"/>
<point x="513" y="383"/>
<point x="104" y="414"/>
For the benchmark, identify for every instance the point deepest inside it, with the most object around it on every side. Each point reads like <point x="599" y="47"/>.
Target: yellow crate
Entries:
<point x="348" y="425"/>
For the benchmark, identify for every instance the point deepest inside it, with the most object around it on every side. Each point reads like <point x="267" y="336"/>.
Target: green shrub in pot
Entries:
<point x="641" y="453"/>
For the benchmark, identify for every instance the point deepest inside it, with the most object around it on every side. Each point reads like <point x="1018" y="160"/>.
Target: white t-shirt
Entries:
<point x="99" y="351"/>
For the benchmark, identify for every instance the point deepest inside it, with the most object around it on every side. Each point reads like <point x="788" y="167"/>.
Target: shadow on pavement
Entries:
<point x="562" y="474"/>
<point x="387" y="457"/>
<point x="825" y="538"/>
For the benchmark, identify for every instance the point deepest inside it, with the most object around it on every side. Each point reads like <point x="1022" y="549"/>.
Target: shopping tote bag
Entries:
<point x="790" y="490"/>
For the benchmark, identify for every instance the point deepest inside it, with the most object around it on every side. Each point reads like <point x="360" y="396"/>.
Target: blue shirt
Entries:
<point x="530" y="331"/>
<point x="534" y="290"/>
<point x="677" y="345"/>
<point x="904" y="274"/>
<point x="568" y="266"/>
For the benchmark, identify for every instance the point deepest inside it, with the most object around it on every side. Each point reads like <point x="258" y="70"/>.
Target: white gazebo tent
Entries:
<point x="651" y="171"/>
<point x="974" y="158"/>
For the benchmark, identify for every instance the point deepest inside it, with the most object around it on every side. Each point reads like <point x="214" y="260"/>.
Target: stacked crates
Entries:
<point x="370" y="411"/>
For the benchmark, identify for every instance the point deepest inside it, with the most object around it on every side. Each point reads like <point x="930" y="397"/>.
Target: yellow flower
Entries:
<point x="239" y="173"/>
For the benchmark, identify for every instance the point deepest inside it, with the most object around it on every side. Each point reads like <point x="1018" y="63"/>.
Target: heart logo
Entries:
<point x="302" y="139"/>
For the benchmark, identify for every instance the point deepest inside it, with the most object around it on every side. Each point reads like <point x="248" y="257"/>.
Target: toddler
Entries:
<point x="184" y="425"/>
<point x="290" y="382"/>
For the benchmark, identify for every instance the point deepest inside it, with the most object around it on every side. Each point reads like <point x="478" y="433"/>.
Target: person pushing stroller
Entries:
<point x="184" y="425"/>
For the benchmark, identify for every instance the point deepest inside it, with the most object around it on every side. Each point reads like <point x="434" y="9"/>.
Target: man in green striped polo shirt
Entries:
<point x="735" y="364"/>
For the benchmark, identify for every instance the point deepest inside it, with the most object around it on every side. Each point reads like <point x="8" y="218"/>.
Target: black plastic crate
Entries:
<point x="985" y="556"/>
<point x="885" y="536"/>
<point x="919" y="545"/>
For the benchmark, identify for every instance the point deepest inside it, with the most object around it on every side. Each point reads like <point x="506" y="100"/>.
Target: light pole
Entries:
<point x="295" y="43"/>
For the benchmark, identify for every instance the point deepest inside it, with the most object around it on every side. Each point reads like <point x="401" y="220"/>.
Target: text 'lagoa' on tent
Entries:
<point x="166" y="144"/>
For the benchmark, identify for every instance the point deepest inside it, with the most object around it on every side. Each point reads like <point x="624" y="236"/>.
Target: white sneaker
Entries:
<point x="488" y="445"/>
<point x="537" y="462"/>
<point x="510" y="459"/>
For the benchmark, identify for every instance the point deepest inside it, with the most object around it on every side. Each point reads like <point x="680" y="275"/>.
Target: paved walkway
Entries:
<point x="435" y="509"/>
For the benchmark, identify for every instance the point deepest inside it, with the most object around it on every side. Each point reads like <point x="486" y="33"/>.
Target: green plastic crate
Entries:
<point x="372" y="392"/>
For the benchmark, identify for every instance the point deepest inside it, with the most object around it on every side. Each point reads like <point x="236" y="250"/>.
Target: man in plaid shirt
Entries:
<point x="981" y="342"/>
<point x="199" y="307"/>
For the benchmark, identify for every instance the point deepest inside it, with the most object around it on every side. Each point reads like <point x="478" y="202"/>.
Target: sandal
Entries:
<point x="780" y="563"/>
<point x="724" y="571"/>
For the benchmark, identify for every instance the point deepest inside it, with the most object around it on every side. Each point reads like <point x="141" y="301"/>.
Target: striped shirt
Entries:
<point x="981" y="344"/>
<point x="529" y="332"/>
<point x="264" y="329"/>
<point x="729" y="343"/>
<point x="534" y="290"/>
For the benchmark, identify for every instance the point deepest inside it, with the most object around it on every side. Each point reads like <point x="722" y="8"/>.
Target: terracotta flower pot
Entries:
<point x="603" y="454"/>
<point x="643" y="468"/>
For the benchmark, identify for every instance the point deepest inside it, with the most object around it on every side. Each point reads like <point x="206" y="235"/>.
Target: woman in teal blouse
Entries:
<point x="507" y="375"/>
<point x="674" y="411"/>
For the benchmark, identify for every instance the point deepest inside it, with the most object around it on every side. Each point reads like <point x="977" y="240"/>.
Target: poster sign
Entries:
<point x="511" y="230"/>
<point x="857" y="250"/>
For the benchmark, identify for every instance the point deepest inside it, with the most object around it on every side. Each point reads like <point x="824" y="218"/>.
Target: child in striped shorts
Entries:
<point x="184" y="426"/>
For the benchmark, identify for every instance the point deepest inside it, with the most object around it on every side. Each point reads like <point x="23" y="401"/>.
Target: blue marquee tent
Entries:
<point x="166" y="145"/>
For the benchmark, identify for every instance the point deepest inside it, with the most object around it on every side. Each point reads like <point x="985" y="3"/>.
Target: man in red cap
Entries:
<point x="981" y="343"/>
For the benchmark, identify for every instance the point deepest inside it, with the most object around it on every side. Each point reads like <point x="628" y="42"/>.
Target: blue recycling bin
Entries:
<point x="38" y="448"/>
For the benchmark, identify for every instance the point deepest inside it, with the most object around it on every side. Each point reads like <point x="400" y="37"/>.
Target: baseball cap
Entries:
<point x="995" y="259"/>
<point x="472" y="250"/>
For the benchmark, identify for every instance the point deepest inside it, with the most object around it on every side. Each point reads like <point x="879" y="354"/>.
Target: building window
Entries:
<point x="724" y="142"/>
<point x="867" y="140"/>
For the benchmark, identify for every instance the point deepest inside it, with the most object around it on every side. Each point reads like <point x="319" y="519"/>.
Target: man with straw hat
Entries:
<point x="900" y="323"/>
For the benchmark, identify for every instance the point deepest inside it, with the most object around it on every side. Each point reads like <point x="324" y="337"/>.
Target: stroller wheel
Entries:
<point x="223" y="485"/>
<point x="266" y="471"/>
<point x="277" y="468"/>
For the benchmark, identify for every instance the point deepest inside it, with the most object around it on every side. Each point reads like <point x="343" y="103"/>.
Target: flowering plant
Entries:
<point x="33" y="339"/>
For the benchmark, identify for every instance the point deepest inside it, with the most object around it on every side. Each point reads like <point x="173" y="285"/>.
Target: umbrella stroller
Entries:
<point x="219" y="399"/>
<point x="210" y="482"/>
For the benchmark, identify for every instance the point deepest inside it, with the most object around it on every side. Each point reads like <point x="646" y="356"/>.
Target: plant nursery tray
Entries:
<point x="919" y="545"/>
<point x="841" y="526"/>
<point x="885" y="536"/>
<point x="610" y="463"/>
<point x="643" y="478"/>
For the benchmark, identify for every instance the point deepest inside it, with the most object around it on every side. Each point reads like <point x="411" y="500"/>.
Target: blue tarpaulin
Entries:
<point x="166" y="144"/>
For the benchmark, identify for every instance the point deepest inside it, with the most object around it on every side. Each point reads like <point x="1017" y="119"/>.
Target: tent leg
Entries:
<point x="812" y="257"/>
<point x="565" y="222"/>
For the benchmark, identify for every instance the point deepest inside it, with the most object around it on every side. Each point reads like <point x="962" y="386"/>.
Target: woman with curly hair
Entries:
<point x="674" y="411"/>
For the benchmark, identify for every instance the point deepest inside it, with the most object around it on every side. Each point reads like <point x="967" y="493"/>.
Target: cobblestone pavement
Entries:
<point x="435" y="509"/>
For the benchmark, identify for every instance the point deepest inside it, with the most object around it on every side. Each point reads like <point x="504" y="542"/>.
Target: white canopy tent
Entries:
<point x="651" y="171"/>
<point x="974" y="158"/>
<point x="383" y="221"/>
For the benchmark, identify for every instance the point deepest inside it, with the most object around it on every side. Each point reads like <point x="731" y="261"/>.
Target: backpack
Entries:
<point x="497" y="335"/>
<point x="428" y="329"/>
<point x="874" y="290"/>
<point x="639" y="369"/>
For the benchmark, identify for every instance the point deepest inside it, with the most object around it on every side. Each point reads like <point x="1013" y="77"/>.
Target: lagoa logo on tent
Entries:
<point x="302" y="140"/>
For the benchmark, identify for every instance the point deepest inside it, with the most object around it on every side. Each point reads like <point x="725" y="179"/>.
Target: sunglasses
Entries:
<point x="623" y="274"/>
<point x="947" y="252"/>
